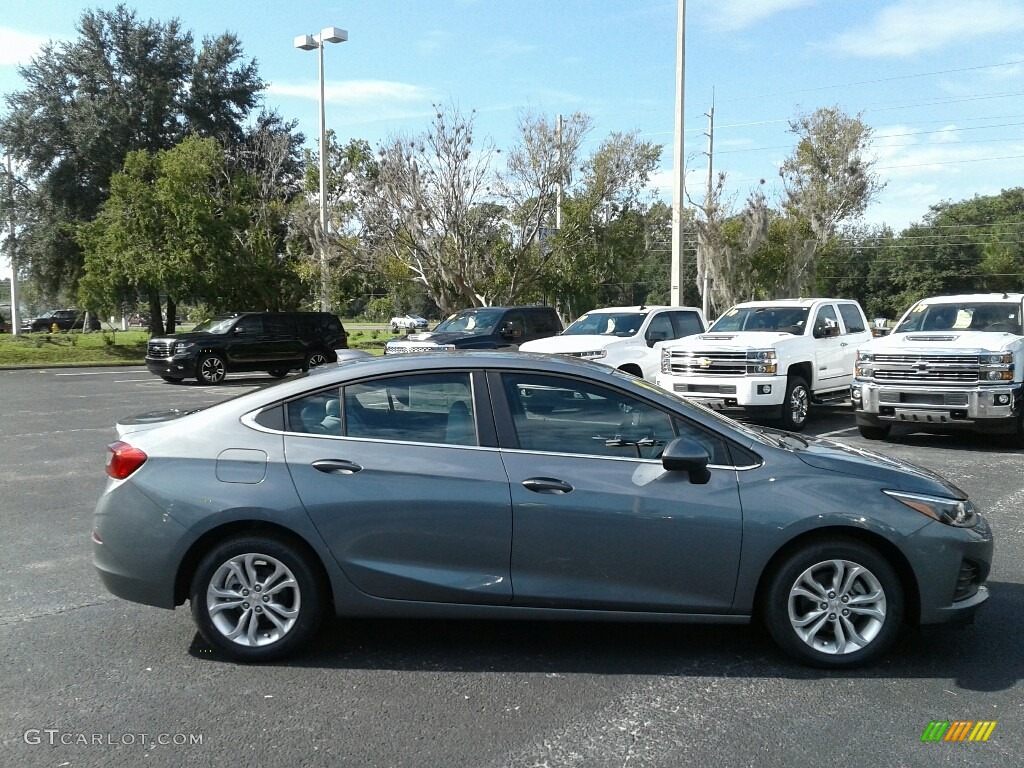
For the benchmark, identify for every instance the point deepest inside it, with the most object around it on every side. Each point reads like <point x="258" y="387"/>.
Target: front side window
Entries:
<point x="660" y="328"/>
<point x="556" y="414"/>
<point x="686" y="323"/>
<point x="419" y="408"/>
<point x="826" y="321"/>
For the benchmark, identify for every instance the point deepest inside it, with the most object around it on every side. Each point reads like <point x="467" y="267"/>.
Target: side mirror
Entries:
<point x="238" y="331"/>
<point x="686" y="455"/>
<point x="826" y="331"/>
<point x="655" y="336"/>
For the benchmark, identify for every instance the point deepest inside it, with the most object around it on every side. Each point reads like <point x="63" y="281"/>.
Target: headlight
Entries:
<point x="181" y="346"/>
<point x="863" y="356"/>
<point x="666" y="361"/>
<point x="761" y="361"/>
<point x="960" y="513"/>
<point x="863" y="371"/>
<point x="594" y="354"/>
<point x="1000" y="359"/>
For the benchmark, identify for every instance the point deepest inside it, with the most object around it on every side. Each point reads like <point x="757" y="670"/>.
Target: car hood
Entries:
<point x="739" y="341"/>
<point x="895" y="473"/>
<point x="188" y="336"/>
<point x="965" y="341"/>
<point x="573" y="343"/>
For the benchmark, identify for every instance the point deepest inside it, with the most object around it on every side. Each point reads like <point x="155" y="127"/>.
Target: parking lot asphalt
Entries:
<point x="92" y="680"/>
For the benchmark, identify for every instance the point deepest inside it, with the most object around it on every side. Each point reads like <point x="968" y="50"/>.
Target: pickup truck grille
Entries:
<point x="927" y="369"/>
<point x="159" y="348"/>
<point x="707" y="363"/>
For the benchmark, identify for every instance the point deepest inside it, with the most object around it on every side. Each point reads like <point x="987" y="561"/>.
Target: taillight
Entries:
<point x="123" y="459"/>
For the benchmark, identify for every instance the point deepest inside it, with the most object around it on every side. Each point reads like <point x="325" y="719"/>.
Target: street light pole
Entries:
<point x="308" y="43"/>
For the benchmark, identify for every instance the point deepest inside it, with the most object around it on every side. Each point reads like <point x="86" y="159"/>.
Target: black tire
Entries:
<point x="315" y="359"/>
<point x="869" y="432"/>
<point x="278" y="373"/>
<point x="172" y="379"/>
<point x="211" y="369"/>
<point x="788" y="611"/>
<point x="394" y="328"/>
<point x="796" y="405"/>
<point x="632" y="370"/>
<point x="283" y="618"/>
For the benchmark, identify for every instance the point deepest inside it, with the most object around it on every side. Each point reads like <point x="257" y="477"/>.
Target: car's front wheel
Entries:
<point x="211" y="369"/>
<point x="256" y="598"/>
<point x="796" y="405"/>
<point x="834" y="604"/>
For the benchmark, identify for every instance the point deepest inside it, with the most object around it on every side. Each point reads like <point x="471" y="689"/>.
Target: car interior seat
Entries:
<point x="460" y="429"/>
<point x="332" y="421"/>
<point x="312" y="417"/>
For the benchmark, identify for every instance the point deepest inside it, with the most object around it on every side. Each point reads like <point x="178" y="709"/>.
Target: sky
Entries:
<point x="940" y="82"/>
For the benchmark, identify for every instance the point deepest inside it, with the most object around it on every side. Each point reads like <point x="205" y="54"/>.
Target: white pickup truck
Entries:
<point x="626" y="338"/>
<point x="771" y="358"/>
<point x="951" y="363"/>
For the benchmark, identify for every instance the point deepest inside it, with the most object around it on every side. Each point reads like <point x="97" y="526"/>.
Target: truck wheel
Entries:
<point x="869" y="432"/>
<point x="394" y="328"/>
<point x="211" y="369"/>
<point x="795" y="405"/>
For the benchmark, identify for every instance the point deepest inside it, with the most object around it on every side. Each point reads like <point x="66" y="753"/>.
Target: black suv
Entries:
<point x="65" y="320"/>
<point x="482" y="328"/>
<point x="275" y="342"/>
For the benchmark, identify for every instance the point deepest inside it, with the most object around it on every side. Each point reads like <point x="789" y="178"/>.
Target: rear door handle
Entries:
<point x="336" y="466"/>
<point x="546" y="485"/>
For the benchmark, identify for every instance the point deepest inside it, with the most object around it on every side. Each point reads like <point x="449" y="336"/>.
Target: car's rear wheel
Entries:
<point x="316" y="359"/>
<point x="394" y="328"/>
<point x="834" y="604"/>
<point x="256" y="598"/>
<point x="278" y="373"/>
<point x="869" y="432"/>
<point x="172" y="379"/>
<point x="796" y="405"/>
<point x="211" y="369"/>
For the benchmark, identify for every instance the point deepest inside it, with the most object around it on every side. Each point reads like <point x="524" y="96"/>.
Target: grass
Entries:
<point x="116" y="347"/>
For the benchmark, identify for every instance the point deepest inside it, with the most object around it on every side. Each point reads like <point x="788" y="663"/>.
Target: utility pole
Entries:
<point x="13" y="250"/>
<point x="705" y="290"/>
<point x="561" y="177"/>
<point x="678" y="181"/>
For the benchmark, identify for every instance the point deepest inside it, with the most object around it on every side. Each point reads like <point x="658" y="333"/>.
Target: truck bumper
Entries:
<point x="175" y="367"/>
<point x="980" y="409"/>
<point x="751" y="392"/>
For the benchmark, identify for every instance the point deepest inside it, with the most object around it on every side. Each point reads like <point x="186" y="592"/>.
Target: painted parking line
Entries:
<point x="92" y="373"/>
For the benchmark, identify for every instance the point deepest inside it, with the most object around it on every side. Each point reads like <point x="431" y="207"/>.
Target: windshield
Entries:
<point x="962" y="316"/>
<point x="215" y="325"/>
<point x="606" y="324"/>
<point x="474" y="321"/>
<point x="773" y="319"/>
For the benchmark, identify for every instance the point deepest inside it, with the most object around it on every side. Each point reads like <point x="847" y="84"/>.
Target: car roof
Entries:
<point x="790" y="302"/>
<point x="639" y="308"/>
<point x="1000" y="297"/>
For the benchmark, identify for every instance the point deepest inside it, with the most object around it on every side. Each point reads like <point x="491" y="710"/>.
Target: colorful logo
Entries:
<point x="958" y="730"/>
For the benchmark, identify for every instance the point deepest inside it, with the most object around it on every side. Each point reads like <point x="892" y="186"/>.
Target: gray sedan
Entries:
<point x="502" y="485"/>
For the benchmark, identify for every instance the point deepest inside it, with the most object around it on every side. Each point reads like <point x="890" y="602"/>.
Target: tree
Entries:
<point x="181" y="225"/>
<point x="122" y="85"/>
<point x="828" y="181"/>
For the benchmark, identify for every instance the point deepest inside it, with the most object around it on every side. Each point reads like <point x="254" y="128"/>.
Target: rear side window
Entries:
<point x="278" y="325"/>
<point x="686" y="324"/>
<point x="853" y="317"/>
<point x="542" y="322"/>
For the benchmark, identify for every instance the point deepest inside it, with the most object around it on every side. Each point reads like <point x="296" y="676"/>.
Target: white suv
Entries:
<point x="623" y="337"/>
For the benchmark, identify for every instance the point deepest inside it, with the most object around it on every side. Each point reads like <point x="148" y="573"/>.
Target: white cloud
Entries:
<point x="18" y="47"/>
<point x="732" y="15"/>
<point x="355" y="92"/>
<point x="910" y="27"/>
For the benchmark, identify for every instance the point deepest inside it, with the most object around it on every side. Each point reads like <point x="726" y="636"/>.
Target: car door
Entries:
<point x="402" y="477"/>
<point x="855" y="334"/>
<point x="280" y="339"/>
<point x="245" y="342"/>
<point x="599" y="523"/>
<point x="829" y="350"/>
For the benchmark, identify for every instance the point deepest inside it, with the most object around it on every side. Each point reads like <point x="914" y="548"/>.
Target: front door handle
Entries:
<point x="546" y="485"/>
<point x="336" y="466"/>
